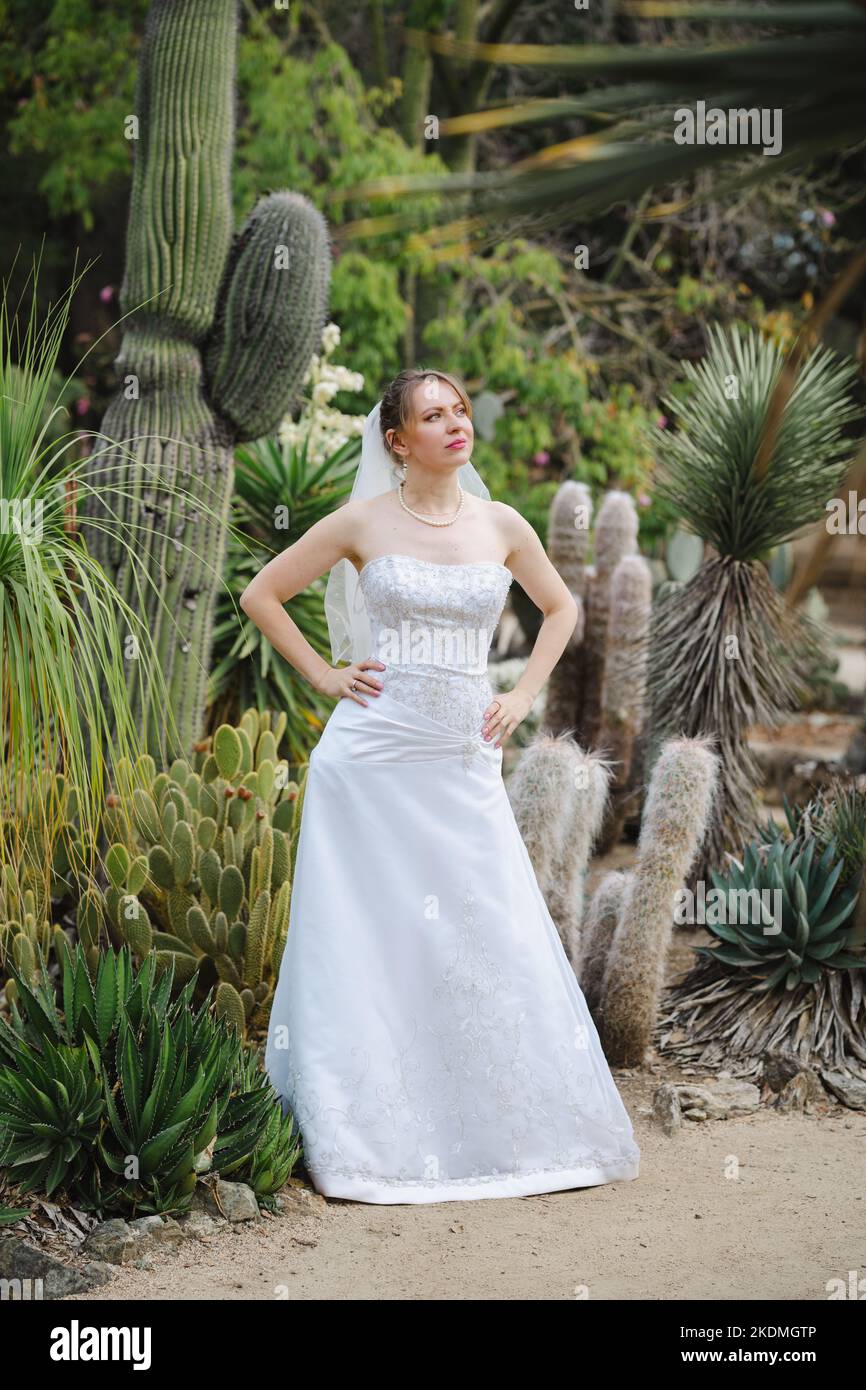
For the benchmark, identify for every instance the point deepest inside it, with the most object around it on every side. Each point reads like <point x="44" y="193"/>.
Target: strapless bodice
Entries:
<point x="432" y="625"/>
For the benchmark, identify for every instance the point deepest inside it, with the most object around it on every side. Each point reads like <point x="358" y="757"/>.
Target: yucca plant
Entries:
<point x="116" y="1099"/>
<point x="787" y="981"/>
<point x="64" y="628"/>
<point x="278" y="495"/>
<point x="725" y="650"/>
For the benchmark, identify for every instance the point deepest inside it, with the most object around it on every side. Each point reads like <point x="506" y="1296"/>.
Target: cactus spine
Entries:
<point x="624" y="690"/>
<point x="558" y="793"/>
<point x="676" y="813"/>
<point x="214" y="357"/>
<point x="199" y="874"/>
<point x="568" y="546"/>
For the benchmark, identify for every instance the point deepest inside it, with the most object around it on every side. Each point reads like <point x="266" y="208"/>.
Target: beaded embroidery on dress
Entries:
<point x="427" y="1030"/>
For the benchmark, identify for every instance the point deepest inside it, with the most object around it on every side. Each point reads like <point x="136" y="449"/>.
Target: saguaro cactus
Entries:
<point x="213" y="358"/>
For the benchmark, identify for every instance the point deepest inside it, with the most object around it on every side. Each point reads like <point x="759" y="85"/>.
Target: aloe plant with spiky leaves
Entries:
<point x="117" y="1093"/>
<point x="725" y="651"/>
<point x="223" y="331"/>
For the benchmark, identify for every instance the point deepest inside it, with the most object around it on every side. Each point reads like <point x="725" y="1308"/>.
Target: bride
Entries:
<point x="427" y="1032"/>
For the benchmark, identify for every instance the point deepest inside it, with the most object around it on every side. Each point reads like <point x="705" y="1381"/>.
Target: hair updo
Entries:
<point x="394" y="412"/>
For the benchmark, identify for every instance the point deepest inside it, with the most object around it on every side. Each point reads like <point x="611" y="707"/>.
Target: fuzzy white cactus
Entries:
<point x="558" y="794"/>
<point x="623" y="697"/>
<point x="676" y="813"/>
<point x="602" y="916"/>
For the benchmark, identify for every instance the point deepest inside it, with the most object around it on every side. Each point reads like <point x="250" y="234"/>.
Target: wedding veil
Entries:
<point x="345" y="608"/>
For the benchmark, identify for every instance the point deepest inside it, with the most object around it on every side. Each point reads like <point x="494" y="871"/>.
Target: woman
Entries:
<point x="427" y="1030"/>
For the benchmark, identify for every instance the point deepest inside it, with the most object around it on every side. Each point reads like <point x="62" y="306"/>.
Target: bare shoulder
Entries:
<point x="518" y="535"/>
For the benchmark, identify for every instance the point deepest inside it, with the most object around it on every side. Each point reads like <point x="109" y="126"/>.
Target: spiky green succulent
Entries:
<point x="808" y="936"/>
<point x="117" y="1093"/>
<point x="837" y="812"/>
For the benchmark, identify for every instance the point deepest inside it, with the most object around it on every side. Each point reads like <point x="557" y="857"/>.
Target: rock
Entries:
<point x="694" y="1114"/>
<point x="25" y="1265"/>
<point x="97" y="1272"/>
<point x="197" y="1224"/>
<point x="718" y="1100"/>
<point x="234" y="1201"/>
<point x="301" y="1201"/>
<point x="156" y="1231"/>
<point x="848" y="1089"/>
<point x="799" y="1092"/>
<point x="741" y="1097"/>
<point x="125" y="1242"/>
<point x="111" y="1241"/>
<point x="779" y="1068"/>
<point x="666" y="1108"/>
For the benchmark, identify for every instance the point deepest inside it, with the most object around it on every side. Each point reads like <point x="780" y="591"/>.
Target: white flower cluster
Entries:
<point x="324" y="429"/>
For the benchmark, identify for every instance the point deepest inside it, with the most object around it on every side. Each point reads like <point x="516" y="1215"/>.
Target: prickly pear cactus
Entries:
<point x="199" y="871"/>
<point x="220" y="340"/>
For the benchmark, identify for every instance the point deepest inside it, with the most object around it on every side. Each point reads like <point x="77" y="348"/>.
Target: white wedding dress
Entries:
<point x="427" y="1032"/>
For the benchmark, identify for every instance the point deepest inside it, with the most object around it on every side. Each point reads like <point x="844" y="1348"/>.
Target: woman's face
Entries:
<point x="440" y="430"/>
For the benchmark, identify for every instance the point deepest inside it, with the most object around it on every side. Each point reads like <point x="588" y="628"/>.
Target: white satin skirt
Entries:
<point x="427" y="1032"/>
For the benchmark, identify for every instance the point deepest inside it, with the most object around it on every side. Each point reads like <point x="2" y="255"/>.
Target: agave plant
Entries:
<point x="811" y="935"/>
<point x="786" y="981"/>
<point x="117" y="1100"/>
<point x="279" y="494"/>
<point x="726" y="652"/>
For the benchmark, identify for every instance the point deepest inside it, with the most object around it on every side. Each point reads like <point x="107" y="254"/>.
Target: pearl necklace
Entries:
<point x="451" y="520"/>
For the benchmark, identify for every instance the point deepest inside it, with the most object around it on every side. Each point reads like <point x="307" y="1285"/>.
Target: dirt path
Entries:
<point x="794" y="1218"/>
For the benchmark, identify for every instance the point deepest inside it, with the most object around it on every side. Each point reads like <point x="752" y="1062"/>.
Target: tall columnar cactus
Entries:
<point x="558" y="793"/>
<point x="624" y="689"/>
<point x="213" y="358"/>
<point x="597" y="690"/>
<point x="676" y="813"/>
<point x="567" y="546"/>
<point x="615" y="537"/>
<point x="575" y="689"/>
<point x="599" y="926"/>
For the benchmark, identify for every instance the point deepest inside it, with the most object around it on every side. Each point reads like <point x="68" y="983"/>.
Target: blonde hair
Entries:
<point x="397" y="401"/>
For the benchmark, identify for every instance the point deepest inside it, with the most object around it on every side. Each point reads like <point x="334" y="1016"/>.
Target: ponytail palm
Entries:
<point x="726" y="652"/>
<point x="67" y="637"/>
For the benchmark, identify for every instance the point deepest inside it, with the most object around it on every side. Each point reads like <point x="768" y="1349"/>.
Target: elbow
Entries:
<point x="244" y="599"/>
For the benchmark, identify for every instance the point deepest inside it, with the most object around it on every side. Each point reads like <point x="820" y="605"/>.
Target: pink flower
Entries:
<point x="541" y="458"/>
<point x="106" y="293"/>
<point x="662" y="421"/>
<point x="828" y="217"/>
<point x="643" y="499"/>
<point x="82" y="405"/>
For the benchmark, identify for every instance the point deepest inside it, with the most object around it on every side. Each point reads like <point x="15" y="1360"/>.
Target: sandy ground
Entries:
<point x="793" y="1218"/>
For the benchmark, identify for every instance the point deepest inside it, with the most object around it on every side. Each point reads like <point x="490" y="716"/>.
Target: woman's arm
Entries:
<point x="528" y="562"/>
<point x="317" y="551"/>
